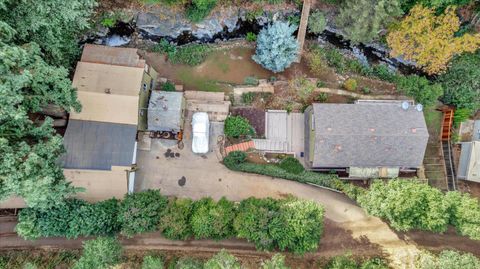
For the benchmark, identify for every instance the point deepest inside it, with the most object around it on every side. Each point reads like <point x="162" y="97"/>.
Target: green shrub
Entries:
<point x="298" y="226"/>
<point x="276" y="48"/>
<point x="464" y="212"/>
<point x="234" y="158"/>
<point x="382" y="72"/>
<point x="252" y="221"/>
<point x="321" y="97"/>
<point x="350" y="84"/>
<point x="237" y="126"/>
<point x="366" y="90"/>
<point x="276" y="262"/>
<point x="193" y="54"/>
<point x="420" y="88"/>
<point x="152" y="262"/>
<point x="461" y="115"/>
<point x="461" y="82"/>
<point x="140" y="212"/>
<point x="212" y="220"/>
<point x="251" y="81"/>
<point x="251" y="37"/>
<point x="199" y="9"/>
<point x="446" y="259"/>
<point x="175" y="221"/>
<point x="291" y="165"/>
<point x="248" y="97"/>
<point x="320" y="84"/>
<point x="407" y="205"/>
<point x="188" y="263"/>
<point x="222" y="260"/>
<point x="72" y="219"/>
<point x="317" y="22"/>
<point x="168" y="87"/>
<point x="102" y="252"/>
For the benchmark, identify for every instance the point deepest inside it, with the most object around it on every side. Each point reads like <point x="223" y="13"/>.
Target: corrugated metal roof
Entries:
<point x="469" y="164"/>
<point x="98" y="145"/>
<point x="165" y="111"/>
<point x="368" y="135"/>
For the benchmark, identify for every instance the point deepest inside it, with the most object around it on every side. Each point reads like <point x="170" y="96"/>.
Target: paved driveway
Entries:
<point x="197" y="176"/>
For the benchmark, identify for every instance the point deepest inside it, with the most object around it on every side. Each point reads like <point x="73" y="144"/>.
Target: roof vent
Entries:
<point x="405" y="105"/>
<point x="419" y="107"/>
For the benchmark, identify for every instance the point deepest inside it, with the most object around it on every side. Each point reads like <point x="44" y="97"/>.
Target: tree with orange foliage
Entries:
<point x="429" y="40"/>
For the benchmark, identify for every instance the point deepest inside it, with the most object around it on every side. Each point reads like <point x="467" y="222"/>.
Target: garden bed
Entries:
<point x="255" y="116"/>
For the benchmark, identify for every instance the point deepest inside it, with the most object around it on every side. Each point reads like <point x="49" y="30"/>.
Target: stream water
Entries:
<point x="120" y="34"/>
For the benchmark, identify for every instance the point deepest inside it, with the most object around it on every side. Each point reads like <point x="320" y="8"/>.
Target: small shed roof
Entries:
<point x="111" y="55"/>
<point x="368" y="135"/>
<point x="165" y="111"/>
<point x="98" y="145"/>
<point x="469" y="164"/>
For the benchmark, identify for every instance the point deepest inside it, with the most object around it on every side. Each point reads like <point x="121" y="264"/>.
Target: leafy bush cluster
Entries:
<point x="102" y="252"/>
<point x="317" y="22"/>
<point x="461" y="82"/>
<point x="238" y="126"/>
<point x="291" y="165"/>
<point x="168" y="87"/>
<point x="447" y="259"/>
<point x="138" y="212"/>
<point x="199" y="9"/>
<point x="411" y="205"/>
<point x="290" y="224"/>
<point x="347" y="262"/>
<point x="192" y="54"/>
<point x="276" y="48"/>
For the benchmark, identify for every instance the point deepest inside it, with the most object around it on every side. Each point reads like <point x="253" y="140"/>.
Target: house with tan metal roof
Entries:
<point x="365" y="139"/>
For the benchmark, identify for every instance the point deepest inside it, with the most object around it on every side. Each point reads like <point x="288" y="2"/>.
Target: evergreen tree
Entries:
<point x="363" y="20"/>
<point x="28" y="151"/>
<point x="277" y="48"/>
<point x="53" y="24"/>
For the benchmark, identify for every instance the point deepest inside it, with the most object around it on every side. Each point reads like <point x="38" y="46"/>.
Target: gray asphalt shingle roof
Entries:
<point x="98" y="145"/>
<point x="368" y="135"/>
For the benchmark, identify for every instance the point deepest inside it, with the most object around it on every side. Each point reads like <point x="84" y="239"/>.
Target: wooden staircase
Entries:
<point x="445" y="137"/>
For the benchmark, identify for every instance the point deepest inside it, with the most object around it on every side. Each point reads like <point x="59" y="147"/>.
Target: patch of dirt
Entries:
<point x="470" y="187"/>
<point x="437" y="242"/>
<point x="254" y="157"/>
<point x="255" y="116"/>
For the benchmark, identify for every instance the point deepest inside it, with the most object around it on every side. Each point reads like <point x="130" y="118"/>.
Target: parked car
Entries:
<point x="200" y="130"/>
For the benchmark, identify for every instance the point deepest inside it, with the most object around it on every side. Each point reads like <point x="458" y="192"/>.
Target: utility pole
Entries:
<point x="302" y="28"/>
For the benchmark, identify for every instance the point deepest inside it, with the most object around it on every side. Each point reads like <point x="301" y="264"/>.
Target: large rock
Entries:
<point x="164" y="22"/>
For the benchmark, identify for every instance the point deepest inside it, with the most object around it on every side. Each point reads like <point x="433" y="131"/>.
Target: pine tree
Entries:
<point x="363" y="20"/>
<point x="277" y="48"/>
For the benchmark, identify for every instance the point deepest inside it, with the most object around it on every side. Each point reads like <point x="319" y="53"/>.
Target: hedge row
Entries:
<point x="236" y="161"/>
<point x="288" y="224"/>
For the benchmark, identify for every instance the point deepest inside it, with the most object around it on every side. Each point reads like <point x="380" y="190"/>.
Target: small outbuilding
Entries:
<point x="469" y="163"/>
<point x="166" y="111"/>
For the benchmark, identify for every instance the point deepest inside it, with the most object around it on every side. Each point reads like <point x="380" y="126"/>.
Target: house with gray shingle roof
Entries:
<point x="365" y="139"/>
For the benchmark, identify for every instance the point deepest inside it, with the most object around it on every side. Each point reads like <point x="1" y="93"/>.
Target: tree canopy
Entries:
<point x="363" y="20"/>
<point x="429" y="40"/>
<point x="52" y="24"/>
<point x="461" y="82"/>
<point x="29" y="151"/>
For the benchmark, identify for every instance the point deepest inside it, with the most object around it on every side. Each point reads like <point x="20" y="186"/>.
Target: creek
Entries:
<point x="122" y="32"/>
